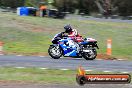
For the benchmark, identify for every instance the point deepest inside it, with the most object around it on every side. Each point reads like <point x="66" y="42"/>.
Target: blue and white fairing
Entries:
<point x="68" y="46"/>
<point x="56" y="36"/>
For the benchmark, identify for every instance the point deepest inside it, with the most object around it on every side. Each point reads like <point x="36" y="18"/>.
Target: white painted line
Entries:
<point x="64" y="69"/>
<point x="124" y="72"/>
<point x="99" y="59"/>
<point x="43" y="68"/>
<point x="88" y="70"/>
<point x="78" y="58"/>
<point x="19" y="67"/>
<point x="107" y="71"/>
<point x="1" y="54"/>
<point x="19" y="55"/>
<point x="41" y="56"/>
<point x="114" y="60"/>
<point x="120" y="59"/>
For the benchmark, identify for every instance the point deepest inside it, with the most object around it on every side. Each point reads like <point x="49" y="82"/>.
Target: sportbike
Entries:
<point x="68" y="48"/>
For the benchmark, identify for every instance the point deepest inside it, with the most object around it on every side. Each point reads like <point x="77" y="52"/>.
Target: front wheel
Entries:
<point x="91" y="55"/>
<point x="55" y="52"/>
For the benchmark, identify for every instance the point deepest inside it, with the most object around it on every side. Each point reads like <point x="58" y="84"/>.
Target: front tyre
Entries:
<point x="91" y="55"/>
<point x="55" y="52"/>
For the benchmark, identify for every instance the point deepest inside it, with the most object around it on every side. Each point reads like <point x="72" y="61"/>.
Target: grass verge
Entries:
<point x="37" y="75"/>
<point x="41" y="75"/>
<point x="32" y="35"/>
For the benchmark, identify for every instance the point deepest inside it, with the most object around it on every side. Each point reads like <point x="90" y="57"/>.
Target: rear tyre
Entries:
<point x="90" y="55"/>
<point x="55" y="52"/>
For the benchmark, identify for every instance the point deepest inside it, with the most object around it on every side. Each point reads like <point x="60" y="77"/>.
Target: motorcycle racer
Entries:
<point x="72" y="33"/>
<point x="70" y="43"/>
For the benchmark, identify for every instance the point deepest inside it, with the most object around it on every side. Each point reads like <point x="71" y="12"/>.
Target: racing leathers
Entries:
<point x="75" y="36"/>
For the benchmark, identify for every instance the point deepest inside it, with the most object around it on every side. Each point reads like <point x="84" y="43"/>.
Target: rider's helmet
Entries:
<point x="68" y="28"/>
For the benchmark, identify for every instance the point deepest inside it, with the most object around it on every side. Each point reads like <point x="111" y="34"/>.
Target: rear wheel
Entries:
<point x="55" y="52"/>
<point x="91" y="55"/>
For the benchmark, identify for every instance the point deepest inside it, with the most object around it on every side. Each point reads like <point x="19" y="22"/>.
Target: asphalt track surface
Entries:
<point x="65" y="63"/>
<point x="83" y="18"/>
<point x="35" y="85"/>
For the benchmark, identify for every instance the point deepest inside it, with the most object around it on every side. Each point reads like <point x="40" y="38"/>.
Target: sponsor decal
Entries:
<point x="83" y="78"/>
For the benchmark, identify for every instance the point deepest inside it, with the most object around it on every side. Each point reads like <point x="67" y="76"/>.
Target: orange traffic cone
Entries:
<point x="109" y="46"/>
<point x="1" y="48"/>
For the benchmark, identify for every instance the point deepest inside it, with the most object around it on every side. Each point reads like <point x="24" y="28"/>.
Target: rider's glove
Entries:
<point x="64" y="35"/>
